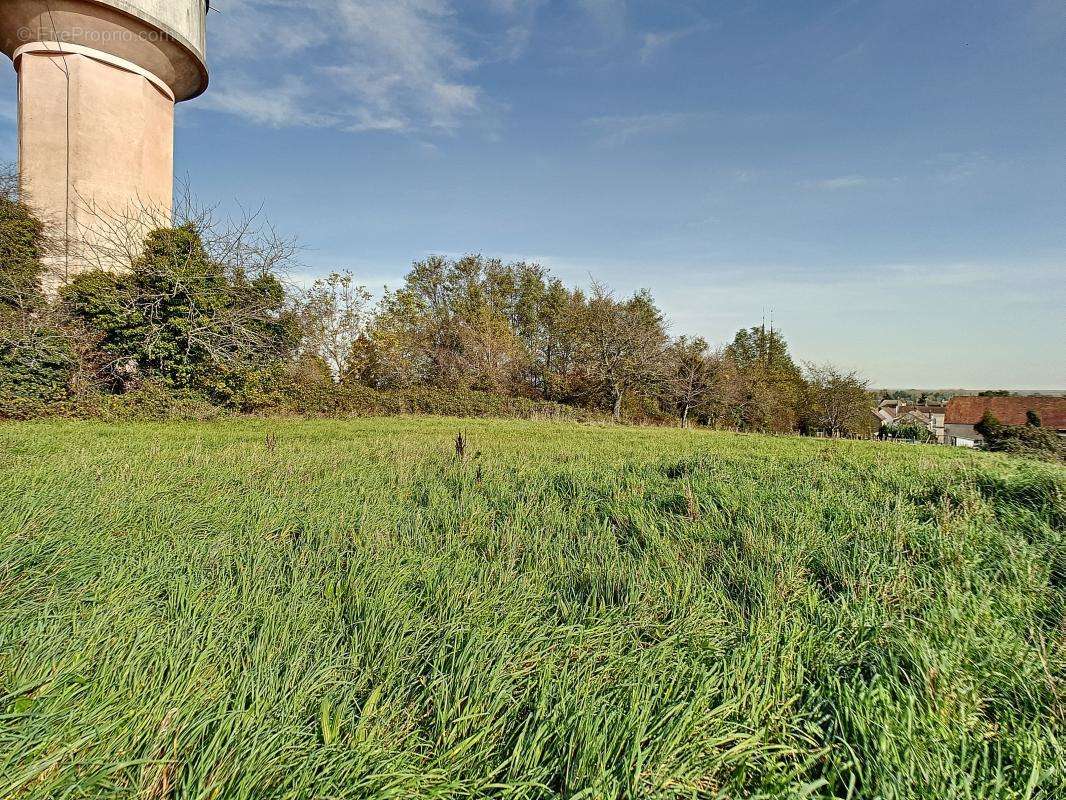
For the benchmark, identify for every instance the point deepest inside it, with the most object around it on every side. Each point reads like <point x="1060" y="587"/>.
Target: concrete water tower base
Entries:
<point x="98" y="80"/>
<point x="96" y="152"/>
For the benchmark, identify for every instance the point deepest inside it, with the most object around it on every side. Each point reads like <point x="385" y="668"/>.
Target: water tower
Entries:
<point x="97" y="84"/>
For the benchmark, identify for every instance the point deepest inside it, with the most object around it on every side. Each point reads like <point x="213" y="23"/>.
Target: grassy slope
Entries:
<point x="190" y="611"/>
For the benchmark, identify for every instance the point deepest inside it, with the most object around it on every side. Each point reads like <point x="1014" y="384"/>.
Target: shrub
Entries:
<point x="37" y="357"/>
<point x="186" y="319"/>
<point x="1027" y="440"/>
<point x="21" y="248"/>
<point x="989" y="425"/>
<point x="911" y="432"/>
<point x="36" y="364"/>
<point x="150" y="401"/>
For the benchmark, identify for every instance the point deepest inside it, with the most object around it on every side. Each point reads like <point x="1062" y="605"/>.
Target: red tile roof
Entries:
<point x="1008" y="410"/>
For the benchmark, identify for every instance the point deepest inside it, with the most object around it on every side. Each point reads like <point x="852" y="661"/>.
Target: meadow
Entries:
<point x="321" y="609"/>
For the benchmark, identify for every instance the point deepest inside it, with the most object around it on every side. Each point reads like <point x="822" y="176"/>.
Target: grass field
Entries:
<point x="346" y="610"/>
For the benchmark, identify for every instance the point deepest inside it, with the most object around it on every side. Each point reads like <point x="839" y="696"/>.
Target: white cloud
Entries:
<point x="619" y="130"/>
<point x="835" y="184"/>
<point x="655" y="41"/>
<point x="958" y="167"/>
<point x="746" y="175"/>
<point x="285" y="105"/>
<point x="381" y="65"/>
<point x="521" y="16"/>
<point x="366" y="120"/>
<point x="246" y="28"/>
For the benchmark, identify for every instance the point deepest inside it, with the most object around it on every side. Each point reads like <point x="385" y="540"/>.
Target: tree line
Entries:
<point x="202" y="305"/>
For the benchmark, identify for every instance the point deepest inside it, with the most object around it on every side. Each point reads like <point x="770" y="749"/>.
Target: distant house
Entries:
<point x="898" y="413"/>
<point x="963" y="413"/>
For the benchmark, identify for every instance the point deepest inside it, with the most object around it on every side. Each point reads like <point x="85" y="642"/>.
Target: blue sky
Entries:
<point x="888" y="176"/>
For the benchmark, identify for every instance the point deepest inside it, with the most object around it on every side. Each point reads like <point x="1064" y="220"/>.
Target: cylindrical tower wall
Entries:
<point x="97" y="85"/>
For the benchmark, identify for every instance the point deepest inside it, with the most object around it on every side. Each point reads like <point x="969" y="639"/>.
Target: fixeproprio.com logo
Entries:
<point x="79" y="35"/>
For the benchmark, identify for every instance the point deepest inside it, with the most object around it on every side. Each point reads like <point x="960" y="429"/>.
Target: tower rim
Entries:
<point x="140" y="31"/>
<point x="199" y="57"/>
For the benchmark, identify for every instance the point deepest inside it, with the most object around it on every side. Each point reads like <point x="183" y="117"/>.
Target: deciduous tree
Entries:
<point x="622" y="344"/>
<point x="764" y="384"/>
<point x="334" y="314"/>
<point x="689" y="374"/>
<point x="836" y="402"/>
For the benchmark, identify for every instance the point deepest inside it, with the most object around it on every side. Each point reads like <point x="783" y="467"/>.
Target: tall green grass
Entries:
<point x="347" y="610"/>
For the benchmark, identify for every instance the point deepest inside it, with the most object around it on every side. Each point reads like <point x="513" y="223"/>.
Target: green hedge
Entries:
<point x="148" y="403"/>
<point x="357" y="400"/>
<point x="266" y="397"/>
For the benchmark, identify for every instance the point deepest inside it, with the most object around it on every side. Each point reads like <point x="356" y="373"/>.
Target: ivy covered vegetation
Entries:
<point x="362" y="609"/>
<point x="198" y="320"/>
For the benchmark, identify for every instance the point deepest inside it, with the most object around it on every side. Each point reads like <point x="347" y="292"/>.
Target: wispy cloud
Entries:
<point x="958" y="167"/>
<point x="242" y="29"/>
<point x="615" y="131"/>
<point x="836" y="184"/>
<point x="288" y="104"/>
<point x="376" y="65"/>
<point x="521" y="18"/>
<point x="655" y="41"/>
<point x="746" y="175"/>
